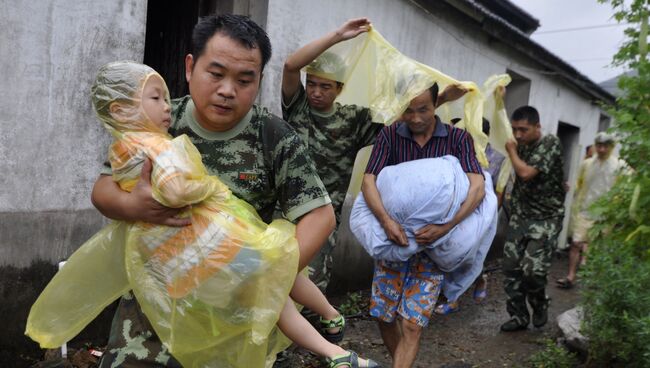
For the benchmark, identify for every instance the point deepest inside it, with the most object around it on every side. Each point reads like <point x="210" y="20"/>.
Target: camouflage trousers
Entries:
<point x="527" y="257"/>
<point x="320" y="267"/>
<point x="133" y="342"/>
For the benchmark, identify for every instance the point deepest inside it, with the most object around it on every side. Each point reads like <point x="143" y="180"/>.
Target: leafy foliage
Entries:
<point x="553" y="356"/>
<point x="353" y="304"/>
<point x="616" y="279"/>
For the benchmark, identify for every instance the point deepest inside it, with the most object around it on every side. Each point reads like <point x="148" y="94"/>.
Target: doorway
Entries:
<point x="518" y="92"/>
<point x="569" y="136"/>
<point x="169" y="36"/>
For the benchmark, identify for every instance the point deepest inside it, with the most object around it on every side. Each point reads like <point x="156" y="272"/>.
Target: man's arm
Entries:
<point x="451" y="93"/>
<point x="522" y="169"/>
<point x="312" y="231"/>
<point x="309" y="52"/>
<point x="393" y="230"/>
<point x="138" y="205"/>
<point x="475" y="194"/>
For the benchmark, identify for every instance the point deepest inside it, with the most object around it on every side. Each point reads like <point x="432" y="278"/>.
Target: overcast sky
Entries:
<point x="589" y="50"/>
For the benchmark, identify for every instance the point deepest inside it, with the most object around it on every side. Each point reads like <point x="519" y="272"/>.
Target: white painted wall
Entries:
<point x="52" y="146"/>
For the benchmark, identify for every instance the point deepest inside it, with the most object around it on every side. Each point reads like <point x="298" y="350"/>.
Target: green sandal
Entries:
<point x="350" y="360"/>
<point x="326" y="324"/>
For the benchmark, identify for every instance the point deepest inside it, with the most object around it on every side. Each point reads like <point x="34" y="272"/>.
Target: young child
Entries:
<point x="213" y="290"/>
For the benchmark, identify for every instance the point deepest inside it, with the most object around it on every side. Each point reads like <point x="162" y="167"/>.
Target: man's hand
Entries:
<point x="352" y="28"/>
<point x="431" y="233"/>
<point x="451" y="93"/>
<point x="395" y="232"/>
<point x="511" y="146"/>
<point x="500" y="92"/>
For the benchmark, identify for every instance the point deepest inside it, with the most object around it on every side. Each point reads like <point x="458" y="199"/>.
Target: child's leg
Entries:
<point x="298" y="330"/>
<point x="305" y="292"/>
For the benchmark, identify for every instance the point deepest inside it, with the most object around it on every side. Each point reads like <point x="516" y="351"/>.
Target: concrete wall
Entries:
<point x="446" y="42"/>
<point x="52" y="146"/>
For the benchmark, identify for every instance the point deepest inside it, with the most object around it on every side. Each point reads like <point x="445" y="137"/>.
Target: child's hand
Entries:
<point x="145" y="208"/>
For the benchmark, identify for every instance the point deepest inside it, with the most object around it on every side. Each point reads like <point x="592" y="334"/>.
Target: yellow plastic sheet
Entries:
<point x="500" y="130"/>
<point x="378" y="76"/>
<point x="213" y="291"/>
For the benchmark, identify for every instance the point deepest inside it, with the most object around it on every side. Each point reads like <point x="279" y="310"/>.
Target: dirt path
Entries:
<point x="468" y="338"/>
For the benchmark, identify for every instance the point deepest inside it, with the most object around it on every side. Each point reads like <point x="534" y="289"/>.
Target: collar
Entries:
<point x="211" y="135"/>
<point x="325" y="114"/>
<point x="439" y="131"/>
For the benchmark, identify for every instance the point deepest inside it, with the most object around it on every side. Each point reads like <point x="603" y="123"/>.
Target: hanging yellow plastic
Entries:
<point x="500" y="130"/>
<point x="376" y="75"/>
<point x="213" y="291"/>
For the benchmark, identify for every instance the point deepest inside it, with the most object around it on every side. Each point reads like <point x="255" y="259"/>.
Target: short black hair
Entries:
<point x="486" y="126"/>
<point x="527" y="113"/>
<point x="237" y="27"/>
<point x="434" y="94"/>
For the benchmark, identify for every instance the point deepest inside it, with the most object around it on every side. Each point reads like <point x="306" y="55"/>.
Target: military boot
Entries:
<point x="540" y="317"/>
<point x="514" y="324"/>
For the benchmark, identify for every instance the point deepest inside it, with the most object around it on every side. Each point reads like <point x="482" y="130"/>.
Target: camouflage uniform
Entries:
<point x="535" y="222"/>
<point x="263" y="162"/>
<point x="333" y="140"/>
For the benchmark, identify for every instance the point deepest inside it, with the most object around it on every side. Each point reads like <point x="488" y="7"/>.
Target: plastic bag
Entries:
<point x="500" y="130"/>
<point x="213" y="291"/>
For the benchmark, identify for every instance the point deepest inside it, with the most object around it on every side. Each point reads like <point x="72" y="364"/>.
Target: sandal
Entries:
<point x="327" y="324"/>
<point x="564" y="283"/>
<point x="480" y="294"/>
<point x="350" y="360"/>
<point x="447" y="308"/>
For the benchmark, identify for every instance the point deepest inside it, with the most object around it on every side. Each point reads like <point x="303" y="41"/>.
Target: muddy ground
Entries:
<point x="468" y="338"/>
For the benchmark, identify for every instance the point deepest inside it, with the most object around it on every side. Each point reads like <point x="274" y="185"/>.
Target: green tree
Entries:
<point x="616" y="279"/>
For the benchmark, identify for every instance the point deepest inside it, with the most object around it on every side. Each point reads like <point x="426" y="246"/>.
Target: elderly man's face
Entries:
<point x="603" y="150"/>
<point x="224" y="82"/>
<point x="420" y="115"/>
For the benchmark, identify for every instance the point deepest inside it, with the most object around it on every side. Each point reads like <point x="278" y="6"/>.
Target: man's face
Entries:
<point x="603" y="150"/>
<point x="526" y="133"/>
<point x="321" y="92"/>
<point x="224" y="82"/>
<point x="420" y="115"/>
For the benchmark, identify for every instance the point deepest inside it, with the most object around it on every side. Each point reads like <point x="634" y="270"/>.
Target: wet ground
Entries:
<point x="467" y="338"/>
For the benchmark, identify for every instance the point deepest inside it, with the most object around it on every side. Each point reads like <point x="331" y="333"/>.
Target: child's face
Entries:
<point x="155" y="104"/>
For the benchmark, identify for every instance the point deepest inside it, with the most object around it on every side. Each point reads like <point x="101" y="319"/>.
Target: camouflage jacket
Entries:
<point x="262" y="160"/>
<point x="333" y="140"/>
<point x="542" y="197"/>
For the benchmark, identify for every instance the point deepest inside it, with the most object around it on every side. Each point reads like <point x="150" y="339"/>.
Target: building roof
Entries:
<point x="513" y="14"/>
<point x="508" y="23"/>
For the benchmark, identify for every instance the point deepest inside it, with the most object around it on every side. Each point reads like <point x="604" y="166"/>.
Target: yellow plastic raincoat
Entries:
<point x="213" y="291"/>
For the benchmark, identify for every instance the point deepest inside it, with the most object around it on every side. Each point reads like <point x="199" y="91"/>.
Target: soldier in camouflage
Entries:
<point x="537" y="210"/>
<point x="256" y="154"/>
<point x="334" y="133"/>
